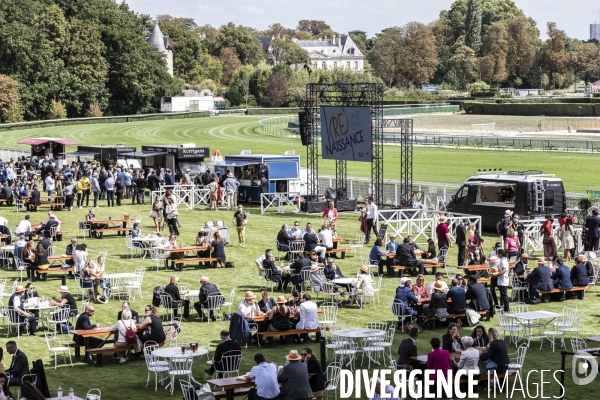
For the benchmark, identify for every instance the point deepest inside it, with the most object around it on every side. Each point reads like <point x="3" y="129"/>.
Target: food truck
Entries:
<point x="178" y="157"/>
<point x="282" y="172"/>
<point x="51" y="147"/>
<point x="107" y="155"/>
<point x="526" y="193"/>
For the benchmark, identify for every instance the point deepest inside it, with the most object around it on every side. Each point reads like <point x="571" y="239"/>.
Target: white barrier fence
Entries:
<point x="185" y="195"/>
<point x="533" y="238"/>
<point x="280" y="203"/>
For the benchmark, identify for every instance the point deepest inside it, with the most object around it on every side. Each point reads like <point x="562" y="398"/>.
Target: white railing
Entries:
<point x="280" y="202"/>
<point x="533" y="238"/>
<point x="188" y="196"/>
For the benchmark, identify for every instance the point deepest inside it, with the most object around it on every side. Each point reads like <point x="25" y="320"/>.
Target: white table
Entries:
<point x="345" y="281"/>
<point x="358" y="333"/>
<point x="526" y="319"/>
<point x="152" y="241"/>
<point x="191" y="293"/>
<point x="121" y="275"/>
<point x="9" y="247"/>
<point x="170" y="352"/>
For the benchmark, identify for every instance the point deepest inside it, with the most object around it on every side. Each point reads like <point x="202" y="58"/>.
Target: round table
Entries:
<point x="358" y="333"/>
<point x="169" y="352"/>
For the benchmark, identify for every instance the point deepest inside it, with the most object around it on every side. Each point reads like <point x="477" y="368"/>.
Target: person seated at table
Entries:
<point x="176" y="301"/>
<point x="248" y="307"/>
<point x="451" y="339"/>
<point x="267" y="303"/>
<point x="431" y="252"/>
<point x="407" y="351"/>
<point x="406" y="256"/>
<point x="439" y="277"/>
<point x="7" y="194"/>
<point x="264" y="376"/>
<point x="459" y="299"/>
<point x="325" y="236"/>
<point x="562" y="278"/>
<point x="520" y="269"/>
<point x="284" y="241"/>
<point x="47" y="227"/>
<point x="30" y="292"/>
<point x="469" y="358"/>
<point x="578" y="277"/>
<point x="90" y="217"/>
<point x="206" y="289"/>
<point x="136" y="233"/>
<point x="16" y="304"/>
<point x="127" y="306"/>
<point x="318" y="379"/>
<point x="364" y="285"/>
<point x="70" y="250"/>
<point x="316" y="281"/>
<point x="297" y="267"/>
<point x="83" y="323"/>
<point x="405" y="295"/>
<point x="308" y="317"/>
<point x="217" y="247"/>
<point x="589" y="265"/>
<point x="80" y="257"/>
<point x="311" y="242"/>
<point x="420" y="289"/>
<point x="495" y="354"/>
<point x="477" y="294"/>
<point x="540" y="279"/>
<point x="461" y="282"/>
<point x="28" y="254"/>
<point x="439" y="360"/>
<point x="392" y="248"/>
<point x="66" y="300"/>
<point x="277" y="274"/>
<point x="5" y="389"/>
<point x="202" y="240"/>
<point x="438" y="303"/>
<point x="381" y="392"/>
<point x="35" y="199"/>
<point x="480" y="337"/>
<point x="24" y="227"/>
<point x="121" y="326"/>
<point x="315" y="258"/>
<point x="296" y="233"/>
<point x="19" y="365"/>
<point x="95" y="271"/>
<point x="231" y="347"/>
<point x="153" y="323"/>
<point x="376" y="253"/>
<point x="332" y="271"/>
<point x="279" y="319"/>
<point x="41" y="259"/>
<point x="294" y="378"/>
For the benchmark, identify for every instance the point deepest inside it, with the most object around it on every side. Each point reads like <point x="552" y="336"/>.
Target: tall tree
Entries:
<point x="495" y="48"/>
<point x="385" y="55"/>
<point x="276" y="89"/>
<point x="473" y="25"/>
<point x="313" y="26"/>
<point x="521" y="47"/>
<point x="418" y="54"/>
<point x="186" y="44"/>
<point x="248" y="48"/>
<point x="230" y="62"/>
<point x="8" y="95"/>
<point x="286" y="51"/>
<point x="278" y="30"/>
<point x="553" y="56"/>
<point x="461" y="67"/>
<point x="586" y="61"/>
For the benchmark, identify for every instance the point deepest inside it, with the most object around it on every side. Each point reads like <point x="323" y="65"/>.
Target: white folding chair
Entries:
<point x="231" y="299"/>
<point x="179" y="366"/>
<point x="230" y="364"/>
<point x="57" y="317"/>
<point x="166" y="301"/>
<point x="401" y="312"/>
<point x="14" y="319"/>
<point x="93" y="394"/>
<point x="56" y="346"/>
<point x="333" y="379"/>
<point x="21" y="266"/>
<point x="215" y="301"/>
<point x="519" y="358"/>
<point x="158" y="256"/>
<point x="554" y="331"/>
<point x="328" y="317"/>
<point x="84" y="229"/>
<point x="154" y="364"/>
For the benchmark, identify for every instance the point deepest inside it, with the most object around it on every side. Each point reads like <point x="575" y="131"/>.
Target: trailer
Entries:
<point x="107" y="155"/>
<point x="282" y="172"/>
<point x="178" y="158"/>
<point x="530" y="194"/>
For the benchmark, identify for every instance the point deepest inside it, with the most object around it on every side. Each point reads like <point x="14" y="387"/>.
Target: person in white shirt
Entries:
<point x="326" y="237"/>
<point x="364" y="285"/>
<point x="371" y="215"/>
<point x="121" y="328"/>
<point x="3" y="221"/>
<point x="80" y="257"/>
<point x="24" y="227"/>
<point x="388" y="390"/>
<point x="308" y="317"/>
<point x="469" y="358"/>
<point x="295" y="232"/>
<point x="248" y="306"/>
<point x="439" y="277"/>
<point x="264" y="376"/>
<point x="50" y="184"/>
<point x="502" y="278"/>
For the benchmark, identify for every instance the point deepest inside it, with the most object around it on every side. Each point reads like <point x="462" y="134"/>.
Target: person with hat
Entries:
<point x="364" y="285"/>
<point x="540" y="279"/>
<point x="240" y="219"/>
<point x="19" y="315"/>
<point x="279" y="318"/>
<point x="66" y="300"/>
<point x="439" y="278"/>
<point x="264" y="376"/>
<point x="443" y="234"/>
<point x="438" y="301"/>
<point x="294" y="379"/>
<point x="249" y="306"/>
<point x="505" y="223"/>
<point x="206" y="289"/>
<point x="226" y="347"/>
<point x="231" y="190"/>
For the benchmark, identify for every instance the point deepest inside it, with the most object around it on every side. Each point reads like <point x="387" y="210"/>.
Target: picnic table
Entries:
<point x="111" y="225"/>
<point x="184" y="258"/>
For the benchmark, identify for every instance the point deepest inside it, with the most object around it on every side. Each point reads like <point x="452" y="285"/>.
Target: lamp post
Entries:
<point x="541" y="78"/>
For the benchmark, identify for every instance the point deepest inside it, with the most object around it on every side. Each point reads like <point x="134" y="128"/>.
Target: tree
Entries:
<point x="312" y="26"/>
<point x="276" y="90"/>
<point x="208" y="67"/>
<point x="361" y="41"/>
<point x="521" y="47"/>
<point x="385" y="55"/>
<point x="186" y="44"/>
<point x="246" y="89"/>
<point x="248" y="48"/>
<point x="553" y="56"/>
<point x="230" y="62"/>
<point x="14" y="113"/>
<point x="586" y="61"/>
<point x="495" y="48"/>
<point x="286" y="51"/>
<point x="9" y="96"/>
<point x="56" y="110"/>
<point x="303" y="35"/>
<point x="462" y="67"/>
<point x="94" y="110"/>
<point x="473" y="25"/>
<point x="278" y="30"/>
<point x="418" y="60"/>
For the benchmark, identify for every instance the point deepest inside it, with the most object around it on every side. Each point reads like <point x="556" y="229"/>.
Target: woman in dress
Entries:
<point x="157" y="209"/>
<point x="364" y="285"/>
<point x="120" y="327"/>
<point x="330" y="214"/>
<point x="566" y="238"/>
<point x="279" y="318"/>
<point x="218" y="249"/>
<point x="97" y="271"/>
<point x="153" y="326"/>
<point x="548" y="237"/>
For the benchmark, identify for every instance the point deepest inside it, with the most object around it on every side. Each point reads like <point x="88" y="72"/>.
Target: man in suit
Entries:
<point x="476" y="293"/>
<point x="540" y="279"/>
<point x="406" y="256"/>
<point x="206" y="289"/>
<point x="126" y="306"/>
<point x="227" y="345"/>
<point x="300" y="263"/>
<point x="391" y="247"/>
<point x="83" y="322"/>
<point x="19" y="365"/>
<point x="459" y="299"/>
<point x="461" y="240"/>
<point x="34" y="200"/>
<point x="283" y="240"/>
<point x="408" y="349"/>
<point x="46" y="228"/>
<point x="294" y="378"/>
<point x="71" y="250"/>
<point x="7" y="194"/>
<point x="592" y="228"/>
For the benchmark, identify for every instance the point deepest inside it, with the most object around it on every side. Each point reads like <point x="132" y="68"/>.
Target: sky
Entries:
<point x="572" y="16"/>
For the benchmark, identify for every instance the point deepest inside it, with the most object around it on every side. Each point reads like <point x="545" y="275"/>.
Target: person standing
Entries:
<point x="214" y="194"/>
<point x="50" y="184"/>
<point x="443" y="234"/>
<point x="240" y="219"/>
<point x="461" y="241"/>
<point x="95" y="185"/>
<point x="592" y="228"/>
<point x="548" y="237"/>
<point x="264" y="190"/>
<point x="502" y="278"/>
<point x="371" y="216"/>
<point x="567" y="242"/>
<point x="231" y="190"/>
<point x="109" y="184"/>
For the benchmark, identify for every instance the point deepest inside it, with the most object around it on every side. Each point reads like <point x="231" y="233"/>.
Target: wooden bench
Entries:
<point x="45" y="204"/>
<point x="484" y="377"/>
<point x="189" y="260"/>
<point x="427" y="320"/>
<point x="574" y="289"/>
<point x="403" y="268"/>
<point x="237" y="392"/>
<point x="112" y="349"/>
<point x="291" y="332"/>
<point x="342" y="251"/>
<point x="45" y="272"/>
<point x="118" y="230"/>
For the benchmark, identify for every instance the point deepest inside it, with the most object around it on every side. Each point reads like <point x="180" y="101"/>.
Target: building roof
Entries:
<point x="266" y="42"/>
<point x="157" y="39"/>
<point x="315" y="43"/>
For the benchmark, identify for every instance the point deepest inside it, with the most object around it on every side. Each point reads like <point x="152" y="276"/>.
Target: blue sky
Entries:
<point x="573" y="16"/>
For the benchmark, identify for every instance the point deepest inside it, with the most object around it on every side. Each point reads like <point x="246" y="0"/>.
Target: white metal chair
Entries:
<point x="6" y="258"/>
<point x="57" y="317"/>
<point x="519" y="358"/>
<point x="32" y="378"/>
<point x="519" y="287"/>
<point x="21" y="266"/>
<point x="132" y="249"/>
<point x="158" y="257"/>
<point x="330" y="292"/>
<point x="388" y="339"/>
<point x="400" y="311"/>
<point x="93" y="394"/>
<point x="54" y="232"/>
<point x="305" y="273"/>
<point x="574" y="328"/>
<point x="554" y="331"/>
<point x="231" y="299"/>
<point x="230" y="364"/>
<point x="296" y="247"/>
<point x="85" y="229"/>
<point x="172" y="333"/>
<point x="86" y="292"/>
<point x="19" y="204"/>
<point x="357" y="243"/>
<point x="56" y="346"/>
<point x="333" y="379"/>
<point x="134" y="285"/>
<point x="154" y="364"/>
<point x="345" y="351"/>
<point x="187" y="390"/>
<point x="510" y="325"/>
<point x="328" y="317"/>
<point x="179" y="366"/>
<point x="14" y="319"/>
<point x="377" y="288"/>
<point x="166" y="301"/>
<point x="215" y="302"/>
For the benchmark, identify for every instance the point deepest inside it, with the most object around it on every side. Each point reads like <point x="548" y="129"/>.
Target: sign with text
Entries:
<point x="346" y="133"/>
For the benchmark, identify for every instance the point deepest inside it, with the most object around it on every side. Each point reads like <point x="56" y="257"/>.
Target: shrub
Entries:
<point x="14" y="113"/>
<point x="56" y="110"/>
<point x="532" y="109"/>
<point x="94" y="110"/>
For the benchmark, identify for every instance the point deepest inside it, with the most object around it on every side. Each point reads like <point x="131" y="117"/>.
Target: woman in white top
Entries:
<point x="121" y="327"/>
<point x="50" y="184"/>
<point x="469" y="358"/>
<point x="364" y="285"/>
<point x="566" y="238"/>
<point x="80" y="257"/>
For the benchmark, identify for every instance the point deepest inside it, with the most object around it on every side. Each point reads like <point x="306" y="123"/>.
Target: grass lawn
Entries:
<point x="230" y="135"/>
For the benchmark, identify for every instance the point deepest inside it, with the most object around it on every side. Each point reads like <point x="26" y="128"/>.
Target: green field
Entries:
<point x="230" y="135"/>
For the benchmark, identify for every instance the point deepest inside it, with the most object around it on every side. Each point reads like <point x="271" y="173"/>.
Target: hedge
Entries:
<point x="100" y="120"/>
<point x="564" y="100"/>
<point x="528" y="109"/>
<point x="269" y="111"/>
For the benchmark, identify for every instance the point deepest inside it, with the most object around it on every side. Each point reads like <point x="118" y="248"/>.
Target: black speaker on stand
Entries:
<point x="305" y="136"/>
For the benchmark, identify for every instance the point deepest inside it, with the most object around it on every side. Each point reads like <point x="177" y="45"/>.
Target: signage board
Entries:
<point x="346" y="133"/>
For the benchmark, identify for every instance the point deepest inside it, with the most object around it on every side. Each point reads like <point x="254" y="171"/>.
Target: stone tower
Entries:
<point x="162" y="44"/>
